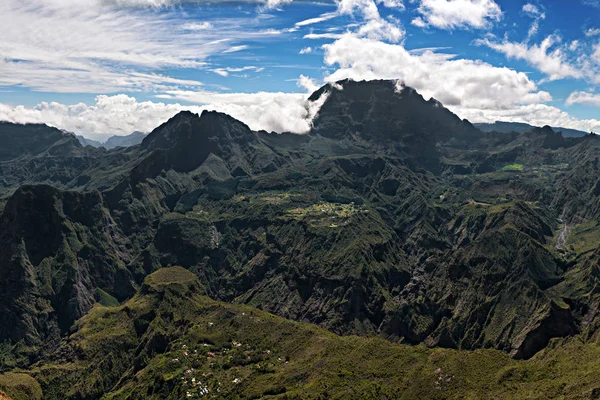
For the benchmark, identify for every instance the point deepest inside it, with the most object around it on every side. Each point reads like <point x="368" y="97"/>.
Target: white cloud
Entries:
<point x="533" y="30"/>
<point x="234" y="49"/>
<point x="225" y="71"/>
<point x="306" y="50"/>
<point x="547" y="57"/>
<point x="457" y="14"/>
<point x="587" y="98"/>
<point x="472" y="89"/>
<point x="592" y="32"/>
<point x="381" y="29"/>
<point x="276" y="3"/>
<point x="121" y="114"/>
<point x="419" y="22"/>
<point x="197" y="26"/>
<point x="533" y="11"/>
<point x="267" y="4"/>
<point x="138" y="42"/>
<point x="372" y="25"/>
<point x="307" y="83"/>
<point x="595" y="57"/>
<point x="324" y="36"/>
<point x="534" y="114"/>
<point x="316" y="20"/>
<point x="468" y="83"/>
<point x="574" y="45"/>
<point x="392" y="4"/>
<point x="94" y="46"/>
<point x="367" y="8"/>
<point x="270" y="32"/>
<point x="279" y="112"/>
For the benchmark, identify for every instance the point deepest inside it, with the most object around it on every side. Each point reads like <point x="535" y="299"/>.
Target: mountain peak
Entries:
<point x="165" y="135"/>
<point x="192" y="129"/>
<point x="33" y="139"/>
<point x="385" y="109"/>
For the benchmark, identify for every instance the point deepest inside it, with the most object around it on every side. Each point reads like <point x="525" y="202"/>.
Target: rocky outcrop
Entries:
<point x="58" y="249"/>
<point x="392" y="217"/>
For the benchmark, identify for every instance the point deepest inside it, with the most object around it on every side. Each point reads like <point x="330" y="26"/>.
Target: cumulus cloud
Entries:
<point x="453" y="81"/>
<point x="122" y="114"/>
<point x="587" y="98"/>
<point x="374" y="25"/>
<point x="119" y="115"/>
<point x="592" y="32"/>
<point x="398" y="4"/>
<point x="276" y="3"/>
<point x="457" y="14"/>
<point x="306" y="50"/>
<point x="307" y="83"/>
<point x="371" y="48"/>
<point x="534" y="114"/>
<point x="279" y="112"/>
<point x="472" y="89"/>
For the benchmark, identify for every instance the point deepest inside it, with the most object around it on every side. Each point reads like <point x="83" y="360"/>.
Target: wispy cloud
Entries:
<point x="548" y="56"/>
<point x="319" y="19"/>
<point x="323" y="36"/>
<point x="225" y="71"/>
<point x="370" y="22"/>
<point x="98" y="46"/>
<point x="234" y="49"/>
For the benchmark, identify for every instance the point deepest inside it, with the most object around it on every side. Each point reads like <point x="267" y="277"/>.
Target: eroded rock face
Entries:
<point x="58" y="249"/>
<point x="392" y="217"/>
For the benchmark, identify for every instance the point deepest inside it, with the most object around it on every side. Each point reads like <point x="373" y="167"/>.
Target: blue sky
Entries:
<point x="103" y="67"/>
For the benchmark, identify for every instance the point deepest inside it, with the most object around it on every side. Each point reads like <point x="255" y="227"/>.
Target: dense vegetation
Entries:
<point x="171" y="342"/>
<point x="442" y="247"/>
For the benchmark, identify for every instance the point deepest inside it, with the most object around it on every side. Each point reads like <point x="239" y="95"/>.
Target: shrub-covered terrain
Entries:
<point x="171" y="342"/>
<point x="419" y="242"/>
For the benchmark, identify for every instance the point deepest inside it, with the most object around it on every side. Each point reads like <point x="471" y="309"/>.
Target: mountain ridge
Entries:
<point x="507" y="127"/>
<point x="391" y="218"/>
<point x="133" y="139"/>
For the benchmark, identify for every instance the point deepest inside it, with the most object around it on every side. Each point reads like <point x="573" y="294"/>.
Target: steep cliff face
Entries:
<point x="61" y="252"/>
<point x="490" y="290"/>
<point x="392" y="217"/>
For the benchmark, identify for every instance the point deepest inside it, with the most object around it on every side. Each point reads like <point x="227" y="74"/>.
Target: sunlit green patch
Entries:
<point x="332" y="215"/>
<point x="512" y="168"/>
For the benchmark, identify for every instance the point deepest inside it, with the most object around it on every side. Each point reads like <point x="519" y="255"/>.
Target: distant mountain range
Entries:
<point x="132" y="139"/>
<point x="506" y="127"/>
<point x="265" y="265"/>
